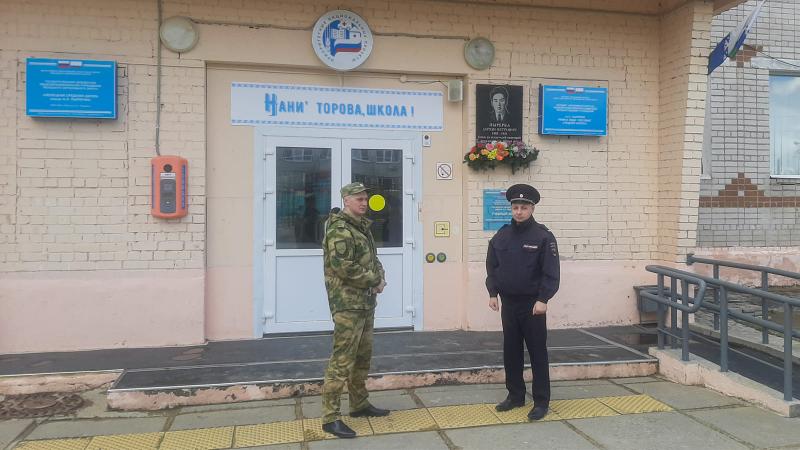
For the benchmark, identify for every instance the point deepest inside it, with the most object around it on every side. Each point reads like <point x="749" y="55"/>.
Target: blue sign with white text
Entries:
<point x="573" y="110"/>
<point x="496" y="209"/>
<point x="71" y="88"/>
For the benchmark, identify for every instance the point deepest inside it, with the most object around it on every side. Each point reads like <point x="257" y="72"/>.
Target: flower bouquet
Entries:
<point x="488" y="155"/>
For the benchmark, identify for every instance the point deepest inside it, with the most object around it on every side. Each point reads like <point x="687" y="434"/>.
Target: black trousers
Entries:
<point x="520" y="328"/>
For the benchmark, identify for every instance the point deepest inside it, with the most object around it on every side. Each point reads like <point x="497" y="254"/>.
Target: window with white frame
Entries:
<point x="387" y="156"/>
<point x="784" y="125"/>
<point x="297" y="154"/>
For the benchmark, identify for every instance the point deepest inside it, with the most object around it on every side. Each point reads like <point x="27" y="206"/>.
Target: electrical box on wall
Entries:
<point x="168" y="187"/>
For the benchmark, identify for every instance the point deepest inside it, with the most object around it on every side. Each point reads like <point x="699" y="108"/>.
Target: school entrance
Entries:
<point x="302" y="172"/>
<point x="276" y="161"/>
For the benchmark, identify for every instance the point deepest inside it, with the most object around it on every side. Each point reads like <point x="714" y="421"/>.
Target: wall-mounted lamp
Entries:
<point x="178" y="34"/>
<point x="479" y="53"/>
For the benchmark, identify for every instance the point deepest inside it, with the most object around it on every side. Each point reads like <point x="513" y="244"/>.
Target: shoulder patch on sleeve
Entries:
<point x="554" y="248"/>
<point x="341" y="248"/>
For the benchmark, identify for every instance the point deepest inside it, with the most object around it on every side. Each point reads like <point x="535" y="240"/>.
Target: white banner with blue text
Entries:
<point x="335" y="107"/>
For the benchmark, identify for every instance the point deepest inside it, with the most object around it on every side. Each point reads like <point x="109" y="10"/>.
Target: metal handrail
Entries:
<point x="691" y="259"/>
<point x="668" y="300"/>
<point x="739" y="288"/>
<point x="765" y="272"/>
<point x="697" y="301"/>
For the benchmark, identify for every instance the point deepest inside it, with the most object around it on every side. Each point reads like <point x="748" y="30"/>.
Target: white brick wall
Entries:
<point x="740" y="133"/>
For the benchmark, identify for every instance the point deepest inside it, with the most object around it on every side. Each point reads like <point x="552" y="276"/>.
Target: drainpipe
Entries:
<point x="158" y="80"/>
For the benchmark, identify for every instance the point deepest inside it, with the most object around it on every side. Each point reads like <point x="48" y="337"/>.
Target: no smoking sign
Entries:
<point x="444" y="171"/>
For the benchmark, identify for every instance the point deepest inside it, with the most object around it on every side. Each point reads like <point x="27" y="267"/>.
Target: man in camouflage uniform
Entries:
<point x="353" y="278"/>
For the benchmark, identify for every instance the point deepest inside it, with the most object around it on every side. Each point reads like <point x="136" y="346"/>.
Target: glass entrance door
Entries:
<point x="303" y="178"/>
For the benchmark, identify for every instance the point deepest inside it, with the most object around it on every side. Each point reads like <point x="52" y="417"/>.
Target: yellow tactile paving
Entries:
<point x="268" y="434"/>
<point x="581" y="409"/>
<point x="634" y="404"/>
<point x="56" y="444"/>
<point x="520" y="415"/>
<point x="199" y="439"/>
<point x="463" y="416"/>
<point x="126" y="442"/>
<point x="403" y="422"/>
<point x="313" y="428"/>
<point x="422" y="419"/>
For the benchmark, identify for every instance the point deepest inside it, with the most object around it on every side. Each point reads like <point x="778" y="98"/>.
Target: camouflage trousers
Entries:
<point x="349" y="363"/>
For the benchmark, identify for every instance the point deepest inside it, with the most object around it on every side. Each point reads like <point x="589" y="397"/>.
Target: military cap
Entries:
<point x="352" y="189"/>
<point x="523" y="193"/>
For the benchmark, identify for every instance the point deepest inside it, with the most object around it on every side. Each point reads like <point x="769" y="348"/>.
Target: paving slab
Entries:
<point x="97" y="407"/>
<point x="753" y="425"/>
<point x="633" y="380"/>
<point x="393" y="400"/>
<point x="597" y="381"/>
<point x="587" y="391"/>
<point x="239" y="405"/>
<point x="273" y="447"/>
<point x="10" y="429"/>
<point x="428" y="440"/>
<point x="89" y="427"/>
<point x="249" y="416"/>
<point x="459" y="387"/>
<point x="544" y="436"/>
<point x="683" y="397"/>
<point x="462" y="397"/>
<point x="654" y="431"/>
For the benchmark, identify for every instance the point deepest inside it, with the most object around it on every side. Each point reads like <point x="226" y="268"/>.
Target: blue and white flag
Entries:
<point x="740" y="34"/>
<point x="729" y="45"/>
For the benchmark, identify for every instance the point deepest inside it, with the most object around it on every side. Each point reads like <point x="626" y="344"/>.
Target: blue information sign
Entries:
<point x="71" y="88"/>
<point x="496" y="209"/>
<point x="573" y="110"/>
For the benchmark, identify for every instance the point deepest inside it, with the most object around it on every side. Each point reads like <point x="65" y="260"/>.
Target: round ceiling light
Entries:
<point x="178" y="34"/>
<point x="479" y="53"/>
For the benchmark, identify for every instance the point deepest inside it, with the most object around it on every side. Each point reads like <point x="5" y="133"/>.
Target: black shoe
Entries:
<point x="537" y="413"/>
<point x="370" y="411"/>
<point x="508" y="404"/>
<point x="339" y="429"/>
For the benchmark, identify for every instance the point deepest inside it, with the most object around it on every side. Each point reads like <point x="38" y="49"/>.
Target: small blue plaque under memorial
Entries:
<point x="496" y="209"/>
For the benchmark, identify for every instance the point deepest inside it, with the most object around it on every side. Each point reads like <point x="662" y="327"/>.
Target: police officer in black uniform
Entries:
<point x="522" y="266"/>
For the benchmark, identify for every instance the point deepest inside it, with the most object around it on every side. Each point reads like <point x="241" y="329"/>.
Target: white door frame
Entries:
<point x="261" y="208"/>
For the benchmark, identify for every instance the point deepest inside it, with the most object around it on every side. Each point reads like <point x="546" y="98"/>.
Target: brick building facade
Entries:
<point x="83" y="264"/>
<point x="744" y="200"/>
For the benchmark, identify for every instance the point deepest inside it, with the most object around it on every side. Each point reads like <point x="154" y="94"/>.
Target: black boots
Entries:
<point x="537" y="413"/>
<point x="370" y="411"/>
<point x="508" y="404"/>
<point x="339" y="429"/>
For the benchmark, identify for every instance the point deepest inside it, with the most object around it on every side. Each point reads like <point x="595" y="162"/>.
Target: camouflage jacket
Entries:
<point x="351" y="263"/>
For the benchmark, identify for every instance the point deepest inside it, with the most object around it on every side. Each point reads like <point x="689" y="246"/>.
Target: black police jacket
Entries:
<point x="522" y="260"/>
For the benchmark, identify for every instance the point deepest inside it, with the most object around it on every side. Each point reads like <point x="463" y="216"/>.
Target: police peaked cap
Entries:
<point x="523" y="193"/>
